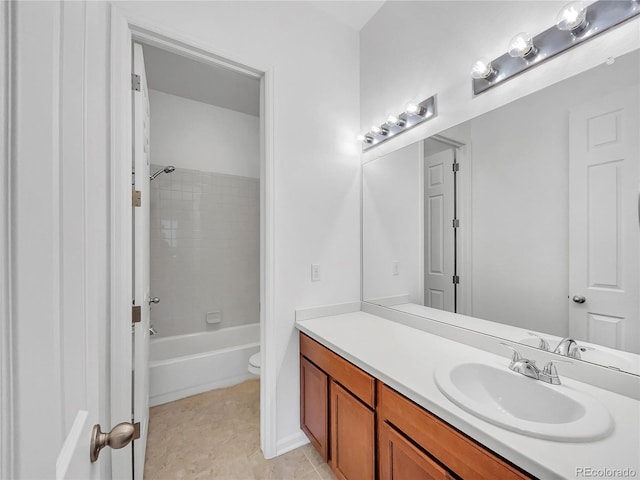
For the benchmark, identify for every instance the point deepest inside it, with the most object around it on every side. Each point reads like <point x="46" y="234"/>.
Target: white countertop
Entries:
<point x="625" y="361"/>
<point x="405" y="359"/>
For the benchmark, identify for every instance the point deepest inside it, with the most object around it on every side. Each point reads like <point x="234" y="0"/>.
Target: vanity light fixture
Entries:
<point x="577" y="22"/>
<point x="396" y="120"/>
<point x="414" y="114"/>
<point x="415" y="109"/>
<point x="573" y="18"/>
<point x="365" y="138"/>
<point x="522" y="46"/>
<point x="482" y="69"/>
<point x="380" y="130"/>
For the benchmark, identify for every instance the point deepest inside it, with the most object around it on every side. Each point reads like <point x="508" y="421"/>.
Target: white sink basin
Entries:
<point x="524" y="405"/>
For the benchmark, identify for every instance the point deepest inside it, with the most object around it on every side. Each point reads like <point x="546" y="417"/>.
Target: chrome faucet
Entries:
<point x="569" y="348"/>
<point x="152" y="331"/>
<point x="528" y="368"/>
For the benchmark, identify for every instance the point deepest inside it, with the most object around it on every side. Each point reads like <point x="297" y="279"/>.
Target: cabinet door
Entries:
<point x="401" y="460"/>
<point x="314" y="407"/>
<point x="352" y="436"/>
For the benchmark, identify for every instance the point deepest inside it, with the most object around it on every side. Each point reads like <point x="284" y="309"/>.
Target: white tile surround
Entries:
<point x="205" y="250"/>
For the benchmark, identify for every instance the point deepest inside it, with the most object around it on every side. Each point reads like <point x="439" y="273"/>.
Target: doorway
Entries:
<point x="126" y="33"/>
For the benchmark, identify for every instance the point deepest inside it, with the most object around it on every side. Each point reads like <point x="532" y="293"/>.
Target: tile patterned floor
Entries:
<point x="216" y="435"/>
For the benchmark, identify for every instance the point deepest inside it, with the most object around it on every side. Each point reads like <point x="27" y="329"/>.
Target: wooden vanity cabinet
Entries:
<point x="352" y="436"/>
<point x="435" y="439"/>
<point x="343" y="408"/>
<point x="337" y="394"/>
<point x="314" y="406"/>
<point x="400" y="459"/>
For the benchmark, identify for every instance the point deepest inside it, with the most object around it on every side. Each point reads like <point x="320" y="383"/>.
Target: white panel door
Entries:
<point x="59" y="239"/>
<point x="141" y="258"/>
<point x="604" y="235"/>
<point x="438" y="230"/>
<point x="79" y="345"/>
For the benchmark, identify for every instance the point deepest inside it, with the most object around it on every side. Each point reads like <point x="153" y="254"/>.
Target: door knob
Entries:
<point x="120" y="436"/>
<point x="579" y="299"/>
<point x="154" y="300"/>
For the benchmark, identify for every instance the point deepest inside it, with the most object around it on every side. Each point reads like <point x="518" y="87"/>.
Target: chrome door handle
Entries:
<point x="120" y="436"/>
<point x="154" y="300"/>
<point x="579" y="299"/>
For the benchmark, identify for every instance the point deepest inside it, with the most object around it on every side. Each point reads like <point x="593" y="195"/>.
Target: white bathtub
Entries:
<point x="186" y="365"/>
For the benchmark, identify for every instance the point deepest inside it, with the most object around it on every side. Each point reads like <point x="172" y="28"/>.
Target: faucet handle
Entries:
<point x="550" y="372"/>
<point x="543" y="344"/>
<point x="516" y="354"/>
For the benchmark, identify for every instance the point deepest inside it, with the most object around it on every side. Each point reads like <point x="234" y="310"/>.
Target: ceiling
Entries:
<point x="203" y="82"/>
<point x="353" y="13"/>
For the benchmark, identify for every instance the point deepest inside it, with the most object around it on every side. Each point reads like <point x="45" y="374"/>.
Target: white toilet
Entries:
<point x="254" y="364"/>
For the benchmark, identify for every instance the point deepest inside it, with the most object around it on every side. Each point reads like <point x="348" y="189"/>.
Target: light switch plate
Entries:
<point x="315" y="272"/>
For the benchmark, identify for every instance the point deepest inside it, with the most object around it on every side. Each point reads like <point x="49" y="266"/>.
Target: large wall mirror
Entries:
<point x="546" y="244"/>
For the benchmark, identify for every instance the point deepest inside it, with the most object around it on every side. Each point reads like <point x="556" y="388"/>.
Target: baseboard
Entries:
<point x="291" y="442"/>
<point x="205" y="387"/>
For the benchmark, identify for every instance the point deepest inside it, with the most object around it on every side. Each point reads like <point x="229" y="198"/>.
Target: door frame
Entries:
<point x="6" y="320"/>
<point x="124" y="30"/>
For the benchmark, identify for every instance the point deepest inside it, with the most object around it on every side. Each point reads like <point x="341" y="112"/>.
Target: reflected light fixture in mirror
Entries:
<point x="576" y="23"/>
<point x="414" y="114"/>
<point x="482" y="69"/>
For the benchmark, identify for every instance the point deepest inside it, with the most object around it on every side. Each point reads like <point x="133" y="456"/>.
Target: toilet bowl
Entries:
<point x="254" y="364"/>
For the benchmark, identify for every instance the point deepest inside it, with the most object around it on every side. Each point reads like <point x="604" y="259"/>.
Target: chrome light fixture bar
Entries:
<point x="576" y="24"/>
<point x="414" y="114"/>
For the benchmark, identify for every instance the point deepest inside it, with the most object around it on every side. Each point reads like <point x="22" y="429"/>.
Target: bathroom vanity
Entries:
<point x="372" y="409"/>
<point x="412" y="443"/>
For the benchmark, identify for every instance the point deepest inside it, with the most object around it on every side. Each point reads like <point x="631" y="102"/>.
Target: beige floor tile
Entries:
<point x="216" y="435"/>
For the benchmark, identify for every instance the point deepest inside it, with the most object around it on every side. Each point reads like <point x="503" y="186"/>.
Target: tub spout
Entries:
<point x="152" y="331"/>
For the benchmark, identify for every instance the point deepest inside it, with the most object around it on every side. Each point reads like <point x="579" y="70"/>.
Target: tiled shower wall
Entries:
<point x="205" y="250"/>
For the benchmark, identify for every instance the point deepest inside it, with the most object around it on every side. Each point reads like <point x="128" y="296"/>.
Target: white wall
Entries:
<point x="198" y="136"/>
<point x="392" y="225"/>
<point x="411" y="50"/>
<point x="317" y="197"/>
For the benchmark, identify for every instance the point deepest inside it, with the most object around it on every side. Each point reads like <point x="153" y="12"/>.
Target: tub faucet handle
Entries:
<point x="154" y="300"/>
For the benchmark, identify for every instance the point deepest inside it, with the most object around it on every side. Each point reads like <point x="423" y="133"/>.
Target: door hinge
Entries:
<point x="456" y="279"/>
<point x="136" y="430"/>
<point x="456" y="167"/>
<point x="135" y="82"/>
<point x="456" y="223"/>
<point x="136" y="314"/>
<point x="136" y="198"/>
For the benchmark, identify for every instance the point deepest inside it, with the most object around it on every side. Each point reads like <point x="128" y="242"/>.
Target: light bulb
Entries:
<point x="395" y="120"/>
<point x="364" y="138"/>
<point x="572" y="17"/>
<point x="482" y="69"/>
<point x="379" y="130"/>
<point x="415" y="109"/>
<point x="522" y="46"/>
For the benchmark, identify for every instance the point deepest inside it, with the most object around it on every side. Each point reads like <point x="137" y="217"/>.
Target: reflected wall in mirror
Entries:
<point x="547" y="199"/>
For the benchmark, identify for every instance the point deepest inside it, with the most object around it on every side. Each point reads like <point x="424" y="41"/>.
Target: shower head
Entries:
<point x="168" y="169"/>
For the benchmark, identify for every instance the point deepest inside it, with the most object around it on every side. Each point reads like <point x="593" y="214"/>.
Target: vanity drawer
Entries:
<point x="459" y="453"/>
<point x="359" y="383"/>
